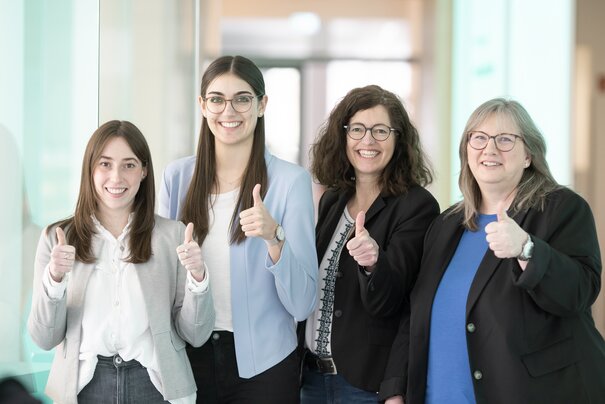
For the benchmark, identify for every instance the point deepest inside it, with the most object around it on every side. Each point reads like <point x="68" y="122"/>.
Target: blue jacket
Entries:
<point x="267" y="299"/>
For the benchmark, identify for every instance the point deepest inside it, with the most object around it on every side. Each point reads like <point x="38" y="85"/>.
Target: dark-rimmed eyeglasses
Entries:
<point x="241" y="103"/>
<point x="380" y="132"/>
<point x="504" y="142"/>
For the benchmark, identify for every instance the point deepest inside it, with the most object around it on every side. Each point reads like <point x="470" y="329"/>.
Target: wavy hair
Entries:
<point x="536" y="182"/>
<point x="409" y="165"/>
<point x="80" y="228"/>
<point x="197" y="201"/>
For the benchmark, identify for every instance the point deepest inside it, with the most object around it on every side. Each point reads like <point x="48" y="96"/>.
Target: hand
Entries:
<point x="62" y="257"/>
<point x="190" y="255"/>
<point x="504" y="236"/>
<point x="256" y="221"/>
<point x="362" y="247"/>
<point x="395" y="400"/>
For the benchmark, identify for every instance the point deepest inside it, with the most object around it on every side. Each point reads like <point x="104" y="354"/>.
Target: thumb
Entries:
<point x="258" y="201"/>
<point x="360" y="222"/>
<point x="501" y="211"/>
<point x="61" y="236"/>
<point x="189" y="233"/>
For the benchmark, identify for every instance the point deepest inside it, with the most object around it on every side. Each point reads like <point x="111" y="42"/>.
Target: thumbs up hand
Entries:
<point x="190" y="255"/>
<point x="62" y="257"/>
<point x="504" y="236"/>
<point x="256" y="221"/>
<point x="362" y="247"/>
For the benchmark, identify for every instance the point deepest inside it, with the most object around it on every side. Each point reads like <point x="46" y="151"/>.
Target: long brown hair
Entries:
<point x="536" y="182"/>
<point x="80" y="228"/>
<point x="329" y="162"/>
<point x="197" y="204"/>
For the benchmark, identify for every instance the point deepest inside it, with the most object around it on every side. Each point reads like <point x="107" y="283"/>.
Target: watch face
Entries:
<point x="279" y="233"/>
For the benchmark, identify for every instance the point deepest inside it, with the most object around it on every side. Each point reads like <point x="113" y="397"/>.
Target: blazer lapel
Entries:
<point x="486" y="269"/>
<point x="439" y="250"/>
<point x="154" y="286"/>
<point x="376" y="207"/>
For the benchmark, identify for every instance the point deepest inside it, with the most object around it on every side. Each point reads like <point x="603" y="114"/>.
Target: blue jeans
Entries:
<point x="318" y="388"/>
<point x="116" y="381"/>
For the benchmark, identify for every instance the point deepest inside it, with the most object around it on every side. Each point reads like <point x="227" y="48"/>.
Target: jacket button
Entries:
<point x="477" y="375"/>
<point x="337" y="313"/>
<point x="470" y="327"/>
<point x="339" y="274"/>
<point x="215" y="336"/>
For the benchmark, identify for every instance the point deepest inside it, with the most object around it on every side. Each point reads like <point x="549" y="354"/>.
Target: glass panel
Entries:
<point x="48" y="109"/>
<point x="282" y="121"/>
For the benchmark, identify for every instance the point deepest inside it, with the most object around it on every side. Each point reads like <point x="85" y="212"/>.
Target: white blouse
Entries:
<point x="115" y="318"/>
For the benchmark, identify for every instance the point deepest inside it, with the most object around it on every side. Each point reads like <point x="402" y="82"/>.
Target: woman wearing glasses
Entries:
<point x="253" y="217"/>
<point x="501" y="308"/>
<point x="371" y="224"/>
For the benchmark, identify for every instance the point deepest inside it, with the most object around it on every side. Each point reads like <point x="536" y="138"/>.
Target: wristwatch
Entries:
<point x="527" y="250"/>
<point x="280" y="235"/>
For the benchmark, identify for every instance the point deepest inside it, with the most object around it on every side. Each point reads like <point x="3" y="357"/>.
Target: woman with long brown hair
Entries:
<point x="253" y="215"/>
<point x="111" y="292"/>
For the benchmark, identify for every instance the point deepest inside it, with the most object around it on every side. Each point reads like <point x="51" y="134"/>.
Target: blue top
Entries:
<point x="449" y="378"/>
<point x="266" y="298"/>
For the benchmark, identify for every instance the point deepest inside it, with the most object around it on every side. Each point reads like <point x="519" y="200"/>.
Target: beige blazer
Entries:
<point x="175" y="314"/>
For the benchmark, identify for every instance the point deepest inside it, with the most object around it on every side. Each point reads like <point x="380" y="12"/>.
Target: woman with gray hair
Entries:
<point x="500" y="312"/>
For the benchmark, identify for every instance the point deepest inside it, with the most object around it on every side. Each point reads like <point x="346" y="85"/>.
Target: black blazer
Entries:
<point x="532" y="338"/>
<point x="368" y="309"/>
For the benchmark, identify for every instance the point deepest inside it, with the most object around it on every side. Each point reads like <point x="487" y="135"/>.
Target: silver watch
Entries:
<point x="280" y="235"/>
<point x="527" y="250"/>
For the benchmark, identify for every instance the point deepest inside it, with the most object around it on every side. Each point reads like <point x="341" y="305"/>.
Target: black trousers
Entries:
<point x="218" y="382"/>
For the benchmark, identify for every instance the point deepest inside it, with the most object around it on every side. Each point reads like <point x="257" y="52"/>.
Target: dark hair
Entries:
<point x="408" y="166"/>
<point x="536" y="182"/>
<point x="197" y="204"/>
<point x="80" y="228"/>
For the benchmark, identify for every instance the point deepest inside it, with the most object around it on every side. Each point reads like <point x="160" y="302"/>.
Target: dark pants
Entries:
<point x="116" y="381"/>
<point x="215" y="371"/>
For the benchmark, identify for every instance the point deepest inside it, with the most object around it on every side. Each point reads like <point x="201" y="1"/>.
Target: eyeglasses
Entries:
<point x="240" y="103"/>
<point x="503" y="141"/>
<point x="379" y="132"/>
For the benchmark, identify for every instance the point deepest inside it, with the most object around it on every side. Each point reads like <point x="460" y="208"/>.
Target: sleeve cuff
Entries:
<point x="198" y="287"/>
<point x="54" y="290"/>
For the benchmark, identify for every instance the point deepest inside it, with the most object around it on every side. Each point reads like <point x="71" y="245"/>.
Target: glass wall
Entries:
<point x="521" y="50"/>
<point x="48" y="109"/>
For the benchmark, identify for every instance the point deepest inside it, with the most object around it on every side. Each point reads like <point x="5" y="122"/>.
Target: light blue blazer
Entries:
<point x="175" y="314"/>
<point x="266" y="299"/>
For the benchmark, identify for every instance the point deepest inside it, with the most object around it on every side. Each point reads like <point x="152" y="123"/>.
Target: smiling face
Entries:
<point x="117" y="176"/>
<point x="368" y="156"/>
<point x="231" y="127"/>
<point x="494" y="170"/>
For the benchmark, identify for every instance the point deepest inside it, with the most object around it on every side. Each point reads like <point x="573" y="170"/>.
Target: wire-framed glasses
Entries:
<point x="379" y="132"/>
<point x="241" y="103"/>
<point x="504" y="142"/>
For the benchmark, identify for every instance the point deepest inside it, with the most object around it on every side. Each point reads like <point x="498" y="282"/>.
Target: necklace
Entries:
<point x="232" y="182"/>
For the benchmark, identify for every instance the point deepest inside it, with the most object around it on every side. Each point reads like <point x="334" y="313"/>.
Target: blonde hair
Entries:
<point x="536" y="182"/>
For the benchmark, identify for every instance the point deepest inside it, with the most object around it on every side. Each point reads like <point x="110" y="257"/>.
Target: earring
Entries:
<point x="260" y="115"/>
<point x="526" y="164"/>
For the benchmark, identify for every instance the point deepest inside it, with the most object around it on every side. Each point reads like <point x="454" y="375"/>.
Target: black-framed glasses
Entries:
<point x="504" y="142"/>
<point x="241" y="103"/>
<point x="379" y="132"/>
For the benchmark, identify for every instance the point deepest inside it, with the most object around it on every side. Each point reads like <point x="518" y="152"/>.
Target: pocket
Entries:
<point x="552" y="358"/>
